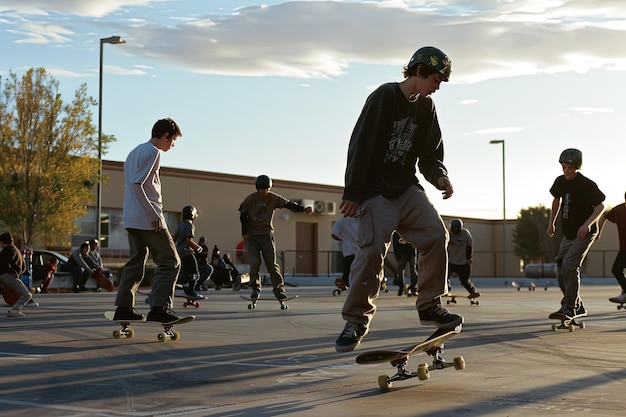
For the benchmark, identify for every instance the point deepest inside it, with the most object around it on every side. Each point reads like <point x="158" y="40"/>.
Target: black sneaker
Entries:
<point x="126" y="313"/>
<point x="440" y="317"/>
<point x="580" y="310"/>
<point x="255" y="294"/>
<point x="280" y="294"/>
<point x="351" y="337"/>
<point x="190" y="292"/>
<point x="563" y="312"/>
<point x="162" y="315"/>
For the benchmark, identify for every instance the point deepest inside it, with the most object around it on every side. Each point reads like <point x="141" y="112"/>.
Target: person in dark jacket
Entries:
<point x="12" y="267"/>
<point x="397" y="130"/>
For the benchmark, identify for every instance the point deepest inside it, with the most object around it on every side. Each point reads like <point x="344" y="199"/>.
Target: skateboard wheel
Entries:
<point x="448" y="302"/>
<point x="162" y="337"/>
<point x="554" y="326"/>
<point x="335" y="293"/>
<point x="572" y="328"/>
<point x="130" y="333"/>
<point x="175" y="335"/>
<point x="284" y="306"/>
<point x="459" y="363"/>
<point x="196" y="304"/>
<point x="422" y="372"/>
<point x="581" y="325"/>
<point x="383" y="382"/>
<point x="250" y="306"/>
<point x="117" y="334"/>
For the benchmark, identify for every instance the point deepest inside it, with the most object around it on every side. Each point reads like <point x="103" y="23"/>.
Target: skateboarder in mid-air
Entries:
<point x="257" y="229"/>
<point x="396" y="130"/>
<point x="578" y="202"/>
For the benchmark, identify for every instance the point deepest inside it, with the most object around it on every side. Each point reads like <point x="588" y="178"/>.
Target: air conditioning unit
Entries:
<point x="324" y="207"/>
<point x="308" y="203"/>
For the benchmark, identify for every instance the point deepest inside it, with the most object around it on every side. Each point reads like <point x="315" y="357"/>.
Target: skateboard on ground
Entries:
<point x="620" y="305"/>
<point x="453" y="298"/>
<point x="567" y="322"/>
<point x="433" y="346"/>
<point x="253" y="301"/>
<point x="519" y="285"/>
<point x="126" y="331"/>
<point x="189" y="299"/>
<point x="341" y="286"/>
<point x="103" y="281"/>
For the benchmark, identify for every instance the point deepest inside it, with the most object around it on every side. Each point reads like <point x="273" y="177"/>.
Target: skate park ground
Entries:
<point x="62" y="360"/>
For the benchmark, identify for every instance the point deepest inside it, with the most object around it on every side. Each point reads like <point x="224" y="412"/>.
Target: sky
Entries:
<point x="275" y="87"/>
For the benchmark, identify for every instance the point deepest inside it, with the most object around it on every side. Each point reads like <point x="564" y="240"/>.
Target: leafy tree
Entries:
<point x="48" y="158"/>
<point x="529" y="236"/>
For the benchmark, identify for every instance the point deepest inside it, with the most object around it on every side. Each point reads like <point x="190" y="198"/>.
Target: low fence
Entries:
<point x="325" y="263"/>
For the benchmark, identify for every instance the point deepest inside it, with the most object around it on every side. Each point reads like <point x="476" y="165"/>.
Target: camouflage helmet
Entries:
<point x="572" y="156"/>
<point x="433" y="58"/>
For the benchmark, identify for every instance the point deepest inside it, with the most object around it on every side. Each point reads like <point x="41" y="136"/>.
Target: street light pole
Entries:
<point x="112" y="40"/>
<point x="496" y="142"/>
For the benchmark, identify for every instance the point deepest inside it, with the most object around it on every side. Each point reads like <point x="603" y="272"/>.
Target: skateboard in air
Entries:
<point x="453" y="298"/>
<point x="341" y="286"/>
<point x="253" y="301"/>
<point x="433" y="346"/>
<point x="567" y="322"/>
<point x="190" y="300"/>
<point x="168" y="332"/>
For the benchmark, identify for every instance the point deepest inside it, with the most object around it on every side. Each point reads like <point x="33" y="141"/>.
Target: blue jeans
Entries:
<point x="161" y="246"/>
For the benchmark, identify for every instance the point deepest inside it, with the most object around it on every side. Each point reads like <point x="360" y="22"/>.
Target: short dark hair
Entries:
<point x="166" y="125"/>
<point x="423" y="70"/>
<point x="84" y="245"/>
<point x="6" y="238"/>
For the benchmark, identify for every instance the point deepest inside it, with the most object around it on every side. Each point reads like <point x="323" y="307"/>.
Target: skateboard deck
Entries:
<point x="620" y="305"/>
<point x="103" y="281"/>
<point x="519" y="285"/>
<point x="341" y="286"/>
<point x="189" y="299"/>
<point x="567" y="322"/>
<point x="253" y="301"/>
<point x="432" y="346"/>
<point x="168" y="332"/>
<point x="453" y="297"/>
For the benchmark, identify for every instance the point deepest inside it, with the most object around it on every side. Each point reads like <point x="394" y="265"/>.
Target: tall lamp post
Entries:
<point x="496" y="142"/>
<point x="113" y="40"/>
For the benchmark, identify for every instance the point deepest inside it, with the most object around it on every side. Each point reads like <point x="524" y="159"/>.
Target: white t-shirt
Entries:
<point x="142" y="197"/>
<point x="346" y="229"/>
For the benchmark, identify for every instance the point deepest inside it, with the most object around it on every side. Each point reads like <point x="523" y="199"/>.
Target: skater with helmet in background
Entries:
<point x="579" y="203"/>
<point x="256" y="213"/>
<point x="186" y="247"/>
<point x="397" y="130"/>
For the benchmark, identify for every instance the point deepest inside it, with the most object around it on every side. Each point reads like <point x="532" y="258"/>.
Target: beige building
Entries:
<point x="303" y="241"/>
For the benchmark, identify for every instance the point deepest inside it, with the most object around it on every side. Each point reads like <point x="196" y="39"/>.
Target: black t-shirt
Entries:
<point x="578" y="197"/>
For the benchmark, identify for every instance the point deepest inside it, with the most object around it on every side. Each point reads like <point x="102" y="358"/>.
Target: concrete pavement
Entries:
<point x="61" y="360"/>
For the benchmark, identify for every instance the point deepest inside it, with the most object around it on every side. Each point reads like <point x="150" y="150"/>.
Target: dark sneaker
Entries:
<point x="621" y="299"/>
<point x="190" y="292"/>
<point x="162" y="315"/>
<point x="280" y="294"/>
<point x="563" y="312"/>
<point x="255" y="294"/>
<point x="351" y="337"/>
<point x="473" y="295"/>
<point x="580" y="310"/>
<point x="440" y="317"/>
<point x="126" y="313"/>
